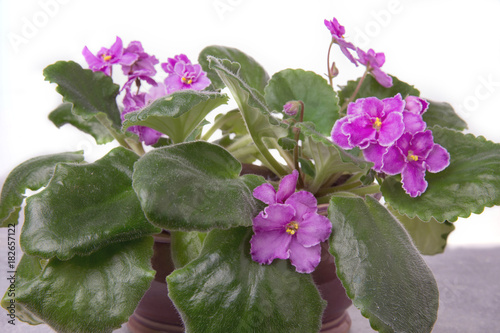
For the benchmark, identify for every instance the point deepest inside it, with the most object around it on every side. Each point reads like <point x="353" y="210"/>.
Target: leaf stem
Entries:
<point x="218" y="124"/>
<point x="328" y="63"/>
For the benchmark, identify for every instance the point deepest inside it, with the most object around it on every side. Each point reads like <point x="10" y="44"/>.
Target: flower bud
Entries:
<point x="334" y="71"/>
<point x="291" y="108"/>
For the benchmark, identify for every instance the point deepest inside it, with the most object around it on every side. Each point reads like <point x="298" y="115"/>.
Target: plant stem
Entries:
<point x="241" y="142"/>
<point x="343" y="187"/>
<point x="218" y="124"/>
<point x="296" y="148"/>
<point x="328" y="64"/>
<point x="353" y="96"/>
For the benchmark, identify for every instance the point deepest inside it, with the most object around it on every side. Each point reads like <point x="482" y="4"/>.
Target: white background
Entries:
<point x="450" y="50"/>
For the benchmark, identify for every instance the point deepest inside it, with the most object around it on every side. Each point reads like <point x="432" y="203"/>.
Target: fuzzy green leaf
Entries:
<point x="84" y="208"/>
<point x="379" y="266"/>
<point x="185" y="246"/>
<point x="91" y="93"/>
<point x="195" y="186"/>
<point x="224" y="290"/>
<point x="442" y="114"/>
<point x="63" y="115"/>
<point x="94" y="294"/>
<point x="31" y="174"/>
<point x="320" y="101"/>
<point x="251" y="71"/>
<point x="470" y="183"/>
<point x="177" y="114"/>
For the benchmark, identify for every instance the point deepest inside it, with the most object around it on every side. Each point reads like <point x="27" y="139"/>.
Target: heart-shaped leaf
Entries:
<point x="223" y="290"/>
<point x="95" y="293"/>
<point x="91" y="93"/>
<point x="177" y="114"/>
<point x="84" y="208"/>
<point x="251" y="71"/>
<point x="320" y="101"/>
<point x="63" y="115"/>
<point x="379" y="266"/>
<point x="470" y="183"/>
<point x="31" y="174"/>
<point x="195" y="186"/>
<point x="429" y="237"/>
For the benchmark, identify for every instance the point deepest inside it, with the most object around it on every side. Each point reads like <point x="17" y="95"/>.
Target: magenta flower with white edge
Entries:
<point x="184" y="75"/>
<point x="412" y="114"/>
<point x="412" y="156"/>
<point x="106" y="58"/>
<point x="143" y="68"/>
<point x="373" y="61"/>
<point x="290" y="227"/>
<point x="338" y="32"/>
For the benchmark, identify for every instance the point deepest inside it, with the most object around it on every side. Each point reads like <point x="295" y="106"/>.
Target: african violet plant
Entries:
<point x="87" y="233"/>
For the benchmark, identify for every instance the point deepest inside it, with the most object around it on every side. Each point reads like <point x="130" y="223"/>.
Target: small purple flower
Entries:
<point x="412" y="114"/>
<point x="373" y="61"/>
<point x="289" y="228"/>
<point x="338" y="32"/>
<point x="291" y="108"/>
<point x="184" y="75"/>
<point x="133" y="102"/>
<point x="143" y="68"/>
<point x="412" y="156"/>
<point x="106" y="58"/>
<point x="372" y="125"/>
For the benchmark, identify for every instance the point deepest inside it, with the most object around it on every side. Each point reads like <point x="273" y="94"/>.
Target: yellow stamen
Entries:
<point x="377" y="123"/>
<point x="292" y="227"/>
<point x="412" y="157"/>
<point x="185" y="80"/>
<point x="106" y="57"/>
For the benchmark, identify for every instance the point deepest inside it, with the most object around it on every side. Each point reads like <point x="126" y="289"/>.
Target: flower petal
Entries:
<point x="391" y="129"/>
<point x="394" y="161"/>
<point x="313" y="229"/>
<point x="267" y="246"/>
<point x="287" y="186"/>
<point x="338" y="137"/>
<point x="393" y="104"/>
<point x="305" y="259"/>
<point x="303" y="202"/>
<point x="375" y="153"/>
<point x="381" y="77"/>
<point x="413" y="122"/>
<point x="438" y="159"/>
<point x="360" y="131"/>
<point x="422" y="143"/>
<point x="265" y="193"/>
<point x="273" y="218"/>
<point x="413" y="179"/>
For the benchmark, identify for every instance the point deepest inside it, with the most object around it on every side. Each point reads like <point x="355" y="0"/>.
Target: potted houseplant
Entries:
<point x="243" y="199"/>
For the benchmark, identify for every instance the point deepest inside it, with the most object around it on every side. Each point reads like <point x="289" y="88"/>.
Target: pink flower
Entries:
<point x="106" y="58"/>
<point x="373" y="61"/>
<point x="184" y="75"/>
<point x="338" y="32"/>
<point x="143" y="68"/>
<point x="289" y="228"/>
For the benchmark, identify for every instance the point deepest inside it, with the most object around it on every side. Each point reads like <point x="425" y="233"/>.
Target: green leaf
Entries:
<point x="84" y="208"/>
<point x="63" y="115"/>
<point x="251" y="71"/>
<point x="429" y="237"/>
<point x="178" y="114"/>
<point x="470" y="183"/>
<point x="195" y="186"/>
<point x="31" y="174"/>
<point x="371" y="87"/>
<point x="91" y="93"/>
<point x="442" y="114"/>
<point x="223" y="290"/>
<point x="382" y="271"/>
<point x="95" y="293"/>
<point x="257" y="116"/>
<point x="28" y="269"/>
<point x="186" y="246"/>
<point x="320" y="101"/>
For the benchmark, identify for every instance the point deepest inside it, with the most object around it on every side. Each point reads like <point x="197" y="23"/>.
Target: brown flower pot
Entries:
<point x="156" y="312"/>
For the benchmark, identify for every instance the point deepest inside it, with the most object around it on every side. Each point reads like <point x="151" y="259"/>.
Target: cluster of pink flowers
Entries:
<point x="139" y="66"/>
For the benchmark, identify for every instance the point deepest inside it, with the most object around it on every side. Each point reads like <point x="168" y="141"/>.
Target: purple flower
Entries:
<point x="338" y="32"/>
<point x="291" y="108"/>
<point x="289" y="228"/>
<point x="412" y="156"/>
<point x="184" y="75"/>
<point x="372" y="125"/>
<point x="412" y="114"/>
<point x="373" y="61"/>
<point x="143" y="68"/>
<point x="106" y="58"/>
<point x="133" y="102"/>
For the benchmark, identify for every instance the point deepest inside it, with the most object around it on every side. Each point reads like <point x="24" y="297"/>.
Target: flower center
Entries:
<point x="186" y="80"/>
<point x="292" y="227"/>
<point x="106" y="57"/>
<point x="412" y="157"/>
<point x="377" y="123"/>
